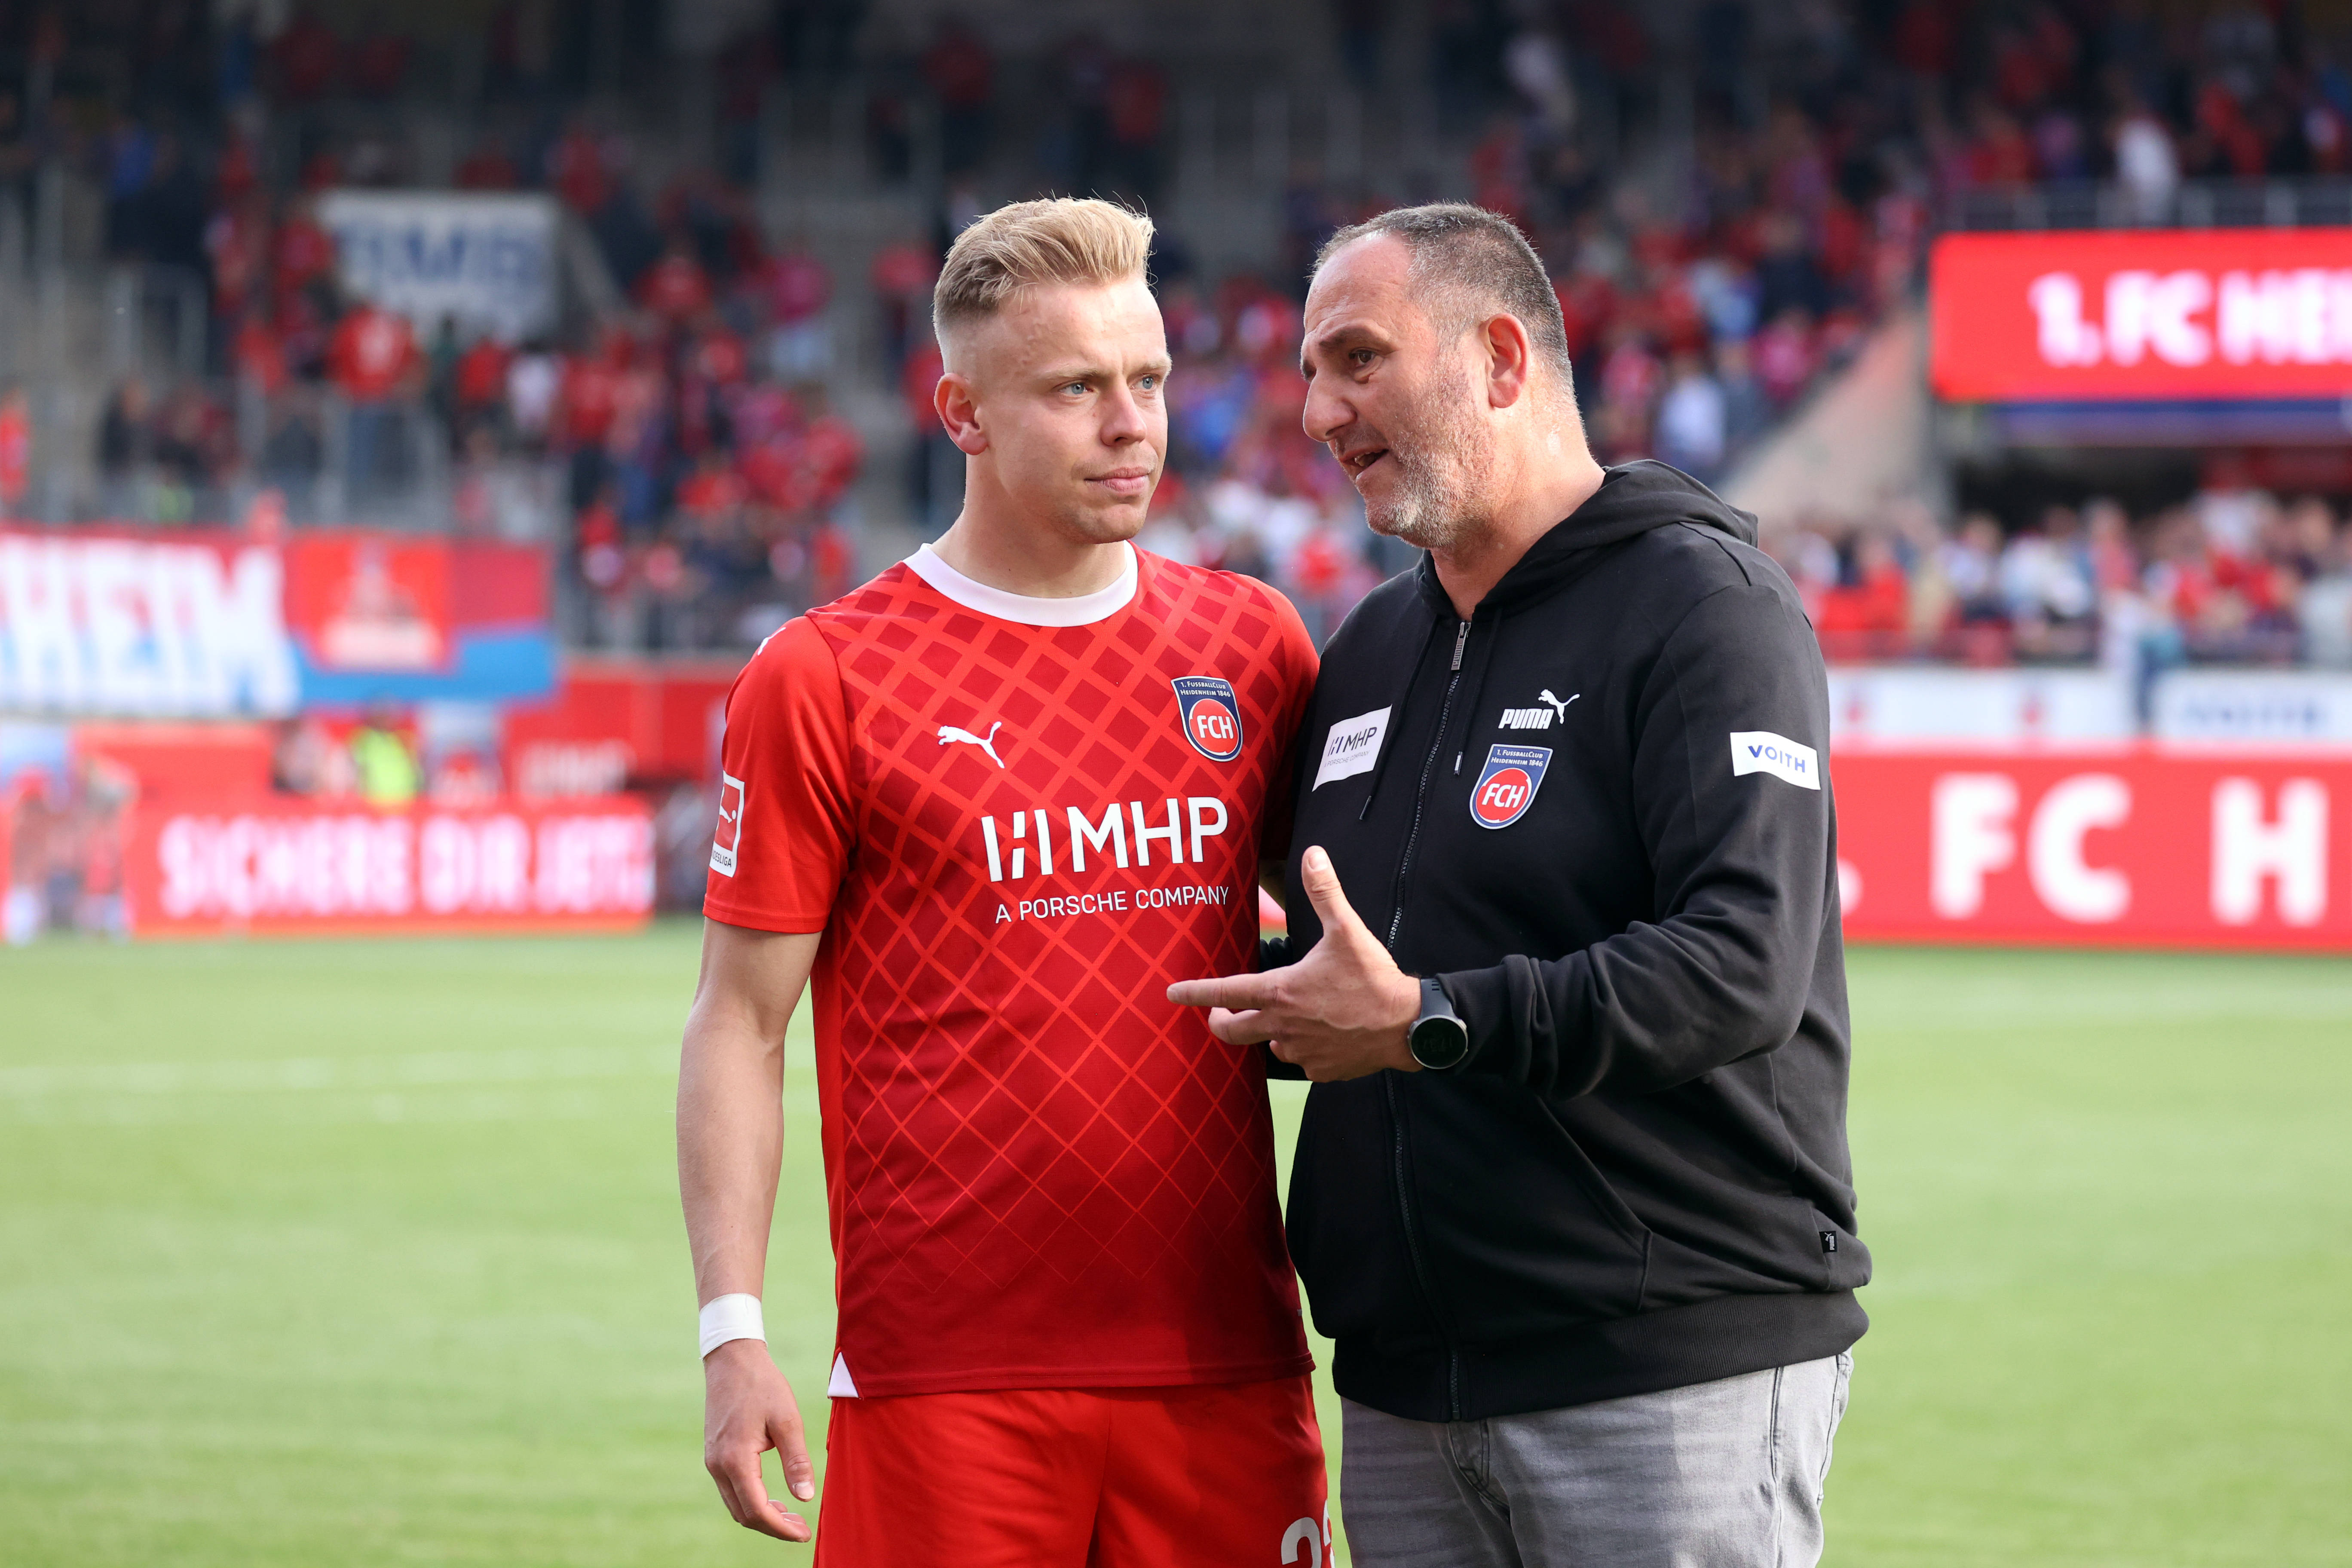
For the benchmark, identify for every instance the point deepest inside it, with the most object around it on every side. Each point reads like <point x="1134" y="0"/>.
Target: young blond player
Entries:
<point x="993" y="801"/>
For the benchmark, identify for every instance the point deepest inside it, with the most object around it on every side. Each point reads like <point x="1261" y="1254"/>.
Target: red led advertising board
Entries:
<point x="2127" y="848"/>
<point x="2171" y="314"/>
<point x="269" y="866"/>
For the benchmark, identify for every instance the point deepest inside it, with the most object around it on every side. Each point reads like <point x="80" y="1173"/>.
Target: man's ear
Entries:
<point x="959" y="411"/>
<point x="1510" y="355"/>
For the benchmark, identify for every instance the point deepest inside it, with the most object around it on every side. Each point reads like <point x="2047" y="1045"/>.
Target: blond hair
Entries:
<point x="1063" y="239"/>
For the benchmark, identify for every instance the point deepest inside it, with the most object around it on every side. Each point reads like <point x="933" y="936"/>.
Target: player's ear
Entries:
<point x="959" y="411"/>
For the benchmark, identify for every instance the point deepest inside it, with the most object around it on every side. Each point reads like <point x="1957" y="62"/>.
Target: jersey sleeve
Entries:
<point x="1297" y="664"/>
<point x="785" y="824"/>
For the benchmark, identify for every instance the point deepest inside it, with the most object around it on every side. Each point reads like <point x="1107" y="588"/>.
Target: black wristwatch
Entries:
<point x="1439" y="1038"/>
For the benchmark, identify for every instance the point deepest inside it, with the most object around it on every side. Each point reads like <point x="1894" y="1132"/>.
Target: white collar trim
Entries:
<point x="1082" y="611"/>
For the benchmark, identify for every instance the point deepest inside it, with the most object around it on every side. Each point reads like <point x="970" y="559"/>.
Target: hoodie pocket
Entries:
<point x="1523" y="1232"/>
<point x="1347" y="1234"/>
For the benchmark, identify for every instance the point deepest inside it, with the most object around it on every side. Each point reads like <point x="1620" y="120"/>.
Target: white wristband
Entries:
<point x="735" y="1317"/>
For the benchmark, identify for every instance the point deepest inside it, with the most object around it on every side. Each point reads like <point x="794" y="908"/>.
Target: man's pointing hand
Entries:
<point x="1341" y="1012"/>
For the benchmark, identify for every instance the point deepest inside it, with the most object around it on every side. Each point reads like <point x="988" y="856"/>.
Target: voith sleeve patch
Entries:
<point x="1762" y="751"/>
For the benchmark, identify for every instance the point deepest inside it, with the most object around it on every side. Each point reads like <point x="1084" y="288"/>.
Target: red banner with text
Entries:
<point x="274" y="867"/>
<point x="2151" y="313"/>
<point x="2137" y="848"/>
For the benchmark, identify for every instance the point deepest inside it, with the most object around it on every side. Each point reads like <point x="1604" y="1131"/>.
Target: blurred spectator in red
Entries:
<point x="796" y="288"/>
<point x="603" y="562"/>
<point x="935" y="477"/>
<point x="15" y="450"/>
<point x="479" y="382"/>
<point x="306" y="55"/>
<point x="901" y="276"/>
<point x="712" y="488"/>
<point x="1877" y="602"/>
<point x="1498" y="170"/>
<point x="1783" y="355"/>
<point x="234" y="176"/>
<point x="590" y="391"/>
<point x="2223" y="140"/>
<point x="1630" y="384"/>
<point x="962" y="74"/>
<point x="1135" y="107"/>
<point x="830" y="564"/>
<point x="237" y="242"/>
<point x="372" y="358"/>
<point x="257" y="353"/>
<point x="717" y="356"/>
<point x="322" y="169"/>
<point x="2000" y="154"/>
<point x="833" y="453"/>
<point x="378" y="61"/>
<point x="575" y="166"/>
<point x="676" y="288"/>
<point x="488" y="168"/>
<point x="373" y="354"/>
<point x="1924" y="39"/>
<point x="587" y="404"/>
<point x="303" y="252"/>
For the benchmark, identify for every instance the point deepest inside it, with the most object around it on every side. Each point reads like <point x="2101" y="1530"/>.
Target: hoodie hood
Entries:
<point x="1633" y="499"/>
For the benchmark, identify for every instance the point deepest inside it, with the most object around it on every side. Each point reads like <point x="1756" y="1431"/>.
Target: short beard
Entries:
<point x="1431" y="505"/>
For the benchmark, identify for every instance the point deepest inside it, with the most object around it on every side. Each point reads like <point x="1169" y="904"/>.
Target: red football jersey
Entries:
<point x="1014" y="836"/>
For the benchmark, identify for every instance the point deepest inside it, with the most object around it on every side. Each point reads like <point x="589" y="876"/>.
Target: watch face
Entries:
<point x="1439" y="1042"/>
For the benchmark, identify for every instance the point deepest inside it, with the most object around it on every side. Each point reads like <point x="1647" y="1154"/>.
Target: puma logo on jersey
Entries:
<point x="1538" y="718"/>
<point x="951" y="736"/>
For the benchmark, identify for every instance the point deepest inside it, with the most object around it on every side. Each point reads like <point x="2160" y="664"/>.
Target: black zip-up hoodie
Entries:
<point x="1597" y="810"/>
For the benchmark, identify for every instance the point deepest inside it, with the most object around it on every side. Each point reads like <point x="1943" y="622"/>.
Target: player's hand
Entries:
<point x="1341" y="1012"/>
<point x="746" y="1409"/>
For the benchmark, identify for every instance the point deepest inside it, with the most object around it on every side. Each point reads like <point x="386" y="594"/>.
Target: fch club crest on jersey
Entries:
<point x="1506" y="785"/>
<point x="1211" y="715"/>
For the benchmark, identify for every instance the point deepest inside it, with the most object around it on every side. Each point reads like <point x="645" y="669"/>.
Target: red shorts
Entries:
<point x="1213" y="1475"/>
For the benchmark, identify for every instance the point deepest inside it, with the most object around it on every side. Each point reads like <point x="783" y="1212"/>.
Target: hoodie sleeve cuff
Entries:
<point x="1482" y="998"/>
<point x="1507" y="1013"/>
<point x="1276" y="1068"/>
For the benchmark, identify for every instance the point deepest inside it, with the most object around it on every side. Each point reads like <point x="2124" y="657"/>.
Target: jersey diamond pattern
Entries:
<point x="1041" y="1173"/>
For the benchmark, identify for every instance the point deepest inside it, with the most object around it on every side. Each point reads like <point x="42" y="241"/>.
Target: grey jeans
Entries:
<point x="1718" y="1474"/>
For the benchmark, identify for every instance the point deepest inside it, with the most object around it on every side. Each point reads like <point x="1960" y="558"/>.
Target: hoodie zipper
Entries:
<point x="1387" y="1080"/>
<point x="1421" y="797"/>
<point x="1420" y="1263"/>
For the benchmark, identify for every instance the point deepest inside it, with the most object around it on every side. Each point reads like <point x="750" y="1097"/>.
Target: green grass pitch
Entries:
<point x="369" y="1254"/>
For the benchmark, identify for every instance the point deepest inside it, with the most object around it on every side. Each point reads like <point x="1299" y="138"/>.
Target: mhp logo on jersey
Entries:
<point x="1212" y="715"/>
<point x="1507" y="785"/>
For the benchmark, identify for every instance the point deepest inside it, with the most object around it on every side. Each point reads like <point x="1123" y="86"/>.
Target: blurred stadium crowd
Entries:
<point x="692" y="456"/>
<point x="2231" y="576"/>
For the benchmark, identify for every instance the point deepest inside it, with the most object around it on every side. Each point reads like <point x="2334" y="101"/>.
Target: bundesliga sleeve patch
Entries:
<point x="1506" y="785"/>
<point x="731" y="825"/>
<point x="1211" y="715"/>
<point x="1762" y="751"/>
